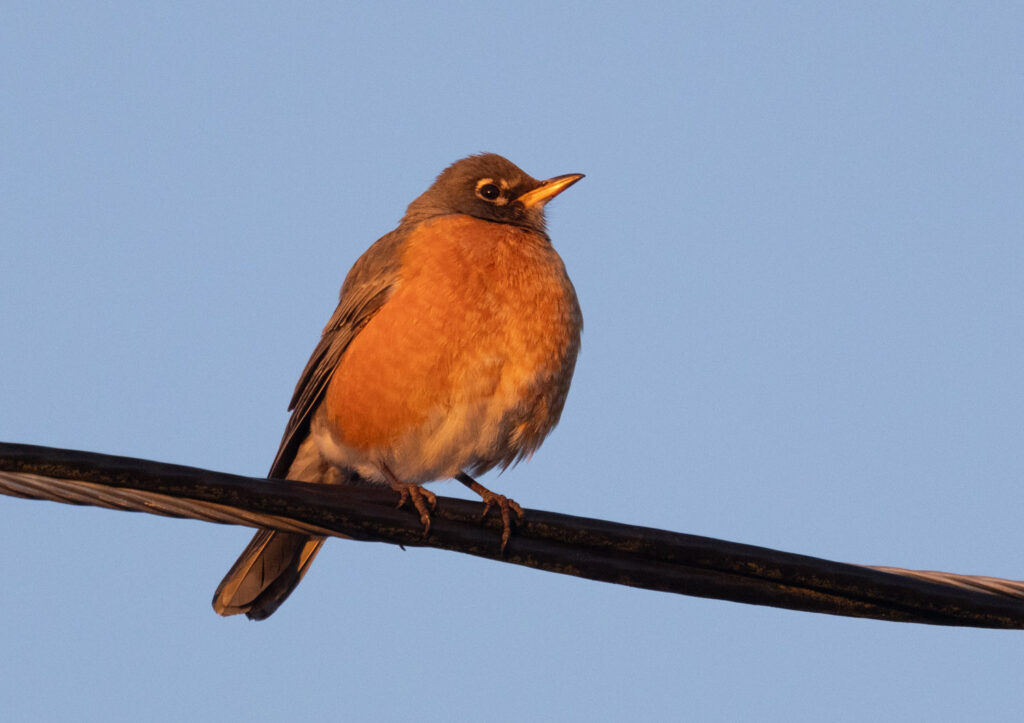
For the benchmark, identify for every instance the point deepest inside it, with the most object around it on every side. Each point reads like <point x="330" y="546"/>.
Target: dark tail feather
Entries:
<point x="265" y="574"/>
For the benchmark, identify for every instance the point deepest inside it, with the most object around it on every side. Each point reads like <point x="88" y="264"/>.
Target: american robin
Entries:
<point x="450" y="353"/>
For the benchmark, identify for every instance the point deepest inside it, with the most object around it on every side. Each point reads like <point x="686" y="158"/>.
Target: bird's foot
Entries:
<point x="491" y="499"/>
<point x="422" y="499"/>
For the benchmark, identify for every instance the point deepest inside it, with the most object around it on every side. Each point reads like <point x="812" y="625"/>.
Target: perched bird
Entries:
<point x="450" y="353"/>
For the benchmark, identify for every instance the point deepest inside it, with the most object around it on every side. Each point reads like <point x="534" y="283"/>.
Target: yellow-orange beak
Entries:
<point x="548" y="189"/>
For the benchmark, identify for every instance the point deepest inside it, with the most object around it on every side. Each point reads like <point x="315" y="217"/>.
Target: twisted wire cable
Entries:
<point x="596" y="549"/>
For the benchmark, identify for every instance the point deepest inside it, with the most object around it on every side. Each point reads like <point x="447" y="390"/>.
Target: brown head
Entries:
<point x="490" y="187"/>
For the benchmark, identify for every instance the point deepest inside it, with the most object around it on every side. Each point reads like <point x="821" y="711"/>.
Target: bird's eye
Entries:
<point x="488" y="192"/>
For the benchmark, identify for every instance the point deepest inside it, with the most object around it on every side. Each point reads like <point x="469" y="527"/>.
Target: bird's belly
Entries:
<point x="437" y="448"/>
<point x="430" y="422"/>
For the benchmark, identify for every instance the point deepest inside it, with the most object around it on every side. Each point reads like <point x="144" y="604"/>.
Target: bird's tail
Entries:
<point x="265" y="574"/>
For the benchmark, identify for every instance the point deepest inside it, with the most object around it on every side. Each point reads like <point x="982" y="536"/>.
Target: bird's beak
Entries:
<point x="548" y="189"/>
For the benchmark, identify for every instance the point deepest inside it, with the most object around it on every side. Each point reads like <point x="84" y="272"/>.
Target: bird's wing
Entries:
<point x="366" y="289"/>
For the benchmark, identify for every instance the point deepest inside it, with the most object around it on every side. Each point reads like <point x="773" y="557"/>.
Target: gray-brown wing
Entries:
<point x="366" y="289"/>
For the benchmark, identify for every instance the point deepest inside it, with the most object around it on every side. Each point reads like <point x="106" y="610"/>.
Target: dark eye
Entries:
<point x="489" y="191"/>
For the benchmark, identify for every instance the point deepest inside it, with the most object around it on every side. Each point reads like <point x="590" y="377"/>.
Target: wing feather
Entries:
<point x="367" y="288"/>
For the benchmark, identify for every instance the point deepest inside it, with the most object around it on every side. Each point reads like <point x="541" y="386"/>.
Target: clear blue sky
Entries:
<point x="800" y="254"/>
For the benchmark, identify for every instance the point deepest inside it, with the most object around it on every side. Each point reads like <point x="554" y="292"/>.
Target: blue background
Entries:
<point x="799" y="250"/>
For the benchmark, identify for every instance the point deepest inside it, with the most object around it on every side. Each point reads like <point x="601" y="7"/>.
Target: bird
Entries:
<point x="450" y="353"/>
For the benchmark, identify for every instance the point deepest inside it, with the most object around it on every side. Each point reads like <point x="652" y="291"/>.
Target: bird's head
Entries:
<point x="490" y="187"/>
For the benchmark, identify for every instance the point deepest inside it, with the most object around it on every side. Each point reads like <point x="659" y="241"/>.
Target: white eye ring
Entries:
<point x="489" y="191"/>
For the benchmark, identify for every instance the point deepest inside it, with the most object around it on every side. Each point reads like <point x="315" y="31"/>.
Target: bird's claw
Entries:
<point x="421" y="499"/>
<point x="507" y="507"/>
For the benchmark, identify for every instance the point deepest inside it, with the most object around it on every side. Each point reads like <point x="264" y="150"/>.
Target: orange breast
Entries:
<point x="482" y="311"/>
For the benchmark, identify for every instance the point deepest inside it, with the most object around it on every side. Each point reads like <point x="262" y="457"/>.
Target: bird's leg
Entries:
<point x="420" y="497"/>
<point x="491" y="499"/>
